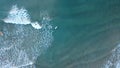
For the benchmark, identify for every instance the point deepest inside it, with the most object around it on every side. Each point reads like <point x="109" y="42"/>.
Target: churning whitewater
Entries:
<point x="20" y="16"/>
<point x="114" y="60"/>
<point x="21" y="44"/>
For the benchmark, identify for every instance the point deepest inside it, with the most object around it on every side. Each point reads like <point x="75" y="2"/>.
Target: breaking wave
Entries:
<point x="114" y="60"/>
<point x="21" y="45"/>
<point x="20" y="16"/>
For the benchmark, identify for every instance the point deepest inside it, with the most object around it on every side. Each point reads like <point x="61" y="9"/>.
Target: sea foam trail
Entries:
<point x="114" y="60"/>
<point x="20" y="16"/>
<point x="20" y="46"/>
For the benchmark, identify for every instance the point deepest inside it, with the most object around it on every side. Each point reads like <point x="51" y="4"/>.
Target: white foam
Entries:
<point x="14" y="51"/>
<point x="17" y="16"/>
<point x="36" y="25"/>
<point x="56" y="27"/>
<point x="20" y="16"/>
<point x="114" y="59"/>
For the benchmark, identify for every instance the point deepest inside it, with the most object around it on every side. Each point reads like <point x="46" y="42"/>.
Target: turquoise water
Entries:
<point x="74" y="34"/>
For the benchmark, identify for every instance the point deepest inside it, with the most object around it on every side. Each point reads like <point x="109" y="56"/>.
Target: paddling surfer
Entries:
<point x="1" y="33"/>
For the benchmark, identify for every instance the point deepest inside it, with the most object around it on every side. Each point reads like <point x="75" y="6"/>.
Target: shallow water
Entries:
<point x="74" y="34"/>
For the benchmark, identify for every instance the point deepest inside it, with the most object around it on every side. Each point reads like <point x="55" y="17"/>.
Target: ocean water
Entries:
<point x="60" y="34"/>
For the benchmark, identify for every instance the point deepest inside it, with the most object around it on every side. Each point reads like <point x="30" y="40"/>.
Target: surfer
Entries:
<point x="1" y="33"/>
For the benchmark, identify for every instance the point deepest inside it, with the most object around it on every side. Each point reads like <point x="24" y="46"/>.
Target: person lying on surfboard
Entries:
<point x="1" y="33"/>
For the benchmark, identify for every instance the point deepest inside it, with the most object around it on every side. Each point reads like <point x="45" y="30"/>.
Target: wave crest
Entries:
<point x="20" y="16"/>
